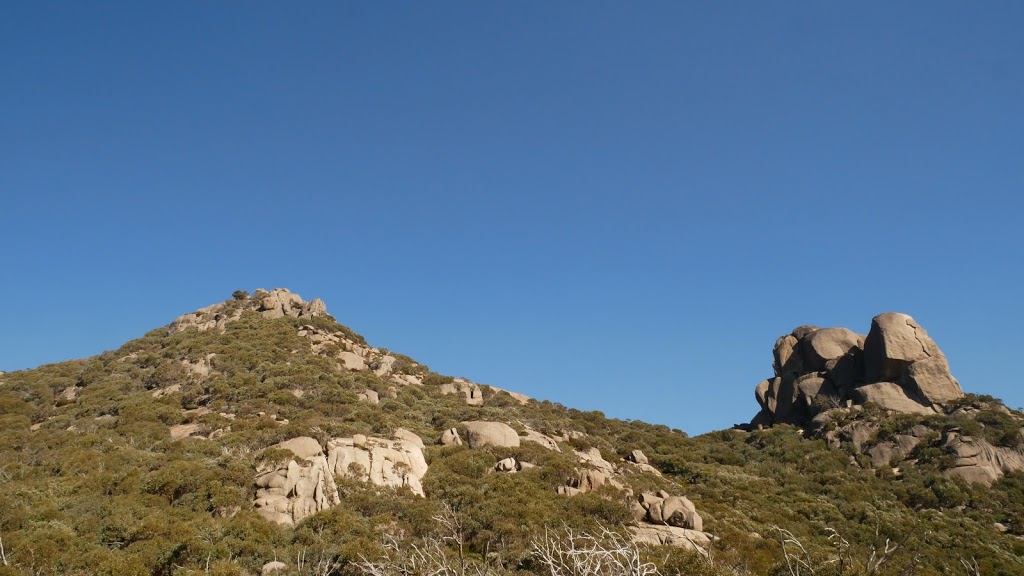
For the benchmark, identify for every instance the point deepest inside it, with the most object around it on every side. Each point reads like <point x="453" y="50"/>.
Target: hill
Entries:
<point x="260" y="435"/>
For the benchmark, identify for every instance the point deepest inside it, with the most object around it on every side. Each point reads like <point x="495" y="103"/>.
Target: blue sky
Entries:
<point x="615" y="206"/>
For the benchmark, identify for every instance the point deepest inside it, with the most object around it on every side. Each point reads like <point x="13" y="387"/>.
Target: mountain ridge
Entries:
<point x="263" y="417"/>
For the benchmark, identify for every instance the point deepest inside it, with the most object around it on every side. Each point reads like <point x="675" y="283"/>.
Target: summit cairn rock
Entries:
<point x="896" y="366"/>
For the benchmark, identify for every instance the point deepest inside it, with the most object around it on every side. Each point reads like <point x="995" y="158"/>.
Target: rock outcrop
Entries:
<point x="678" y="511"/>
<point x="470" y="392"/>
<point x="480" y="433"/>
<point x="655" y="535"/>
<point x="290" y="490"/>
<point x="396" y="463"/>
<point x="583" y="480"/>
<point x="979" y="461"/>
<point x="273" y="567"/>
<point x="664" y="519"/>
<point x="897" y="367"/>
<point x="276" y="303"/>
<point x="637" y="457"/>
<point x="536" y="437"/>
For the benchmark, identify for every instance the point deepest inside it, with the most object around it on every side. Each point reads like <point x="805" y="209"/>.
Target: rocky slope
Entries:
<point x="260" y="434"/>
<point x="301" y="484"/>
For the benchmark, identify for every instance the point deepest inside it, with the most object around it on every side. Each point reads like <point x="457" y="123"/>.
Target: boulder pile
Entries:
<point x="294" y="489"/>
<point x="896" y="366"/>
<point x="276" y="303"/>
<point x="290" y="490"/>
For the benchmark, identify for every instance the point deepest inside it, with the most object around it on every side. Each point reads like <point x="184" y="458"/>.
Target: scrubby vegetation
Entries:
<point x="91" y="481"/>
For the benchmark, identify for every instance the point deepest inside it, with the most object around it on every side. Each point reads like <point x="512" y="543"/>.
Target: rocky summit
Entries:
<point x="260" y="436"/>
<point x="897" y="367"/>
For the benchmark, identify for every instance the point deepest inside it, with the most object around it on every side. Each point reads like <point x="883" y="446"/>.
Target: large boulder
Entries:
<point x="273" y="568"/>
<point x="686" y="539"/>
<point x="893" y="344"/>
<point x="889" y="396"/>
<point x="302" y="446"/>
<point x="829" y="344"/>
<point x="675" y="511"/>
<point x="929" y="379"/>
<point x="787" y="361"/>
<point x="979" y="461"/>
<point x="480" y="433"/>
<point x="536" y="437"/>
<point x="292" y="489"/>
<point x="761" y="393"/>
<point x="470" y="392"/>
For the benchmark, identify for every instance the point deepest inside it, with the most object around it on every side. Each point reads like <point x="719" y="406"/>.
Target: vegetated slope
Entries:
<point x="165" y="457"/>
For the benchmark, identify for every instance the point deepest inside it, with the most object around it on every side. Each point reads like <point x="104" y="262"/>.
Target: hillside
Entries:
<point x="260" y="435"/>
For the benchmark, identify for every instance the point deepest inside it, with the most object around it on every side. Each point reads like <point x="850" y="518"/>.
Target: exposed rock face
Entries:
<point x="482" y="433"/>
<point x="200" y="369"/>
<point x="976" y="459"/>
<point x="289" y="491"/>
<point x="304" y="447"/>
<point x="396" y="463"/>
<point x="593" y="473"/>
<point x="279" y="303"/>
<point x="979" y="461"/>
<point x="930" y="379"/>
<point x="192" y="430"/>
<point x="889" y="396"/>
<point x="671" y="510"/>
<point x="352" y="361"/>
<point x="669" y="520"/>
<point x="295" y="489"/>
<point x="694" y="540"/>
<point x="538" y="438"/>
<point x="403" y="434"/>
<point x="469" y="391"/>
<point x="585" y="480"/>
<point x="826" y="344"/>
<point x="522" y="399"/>
<point x="896" y="366"/>
<point x="894" y="343"/>
<point x="594" y="459"/>
<point x="274" y="304"/>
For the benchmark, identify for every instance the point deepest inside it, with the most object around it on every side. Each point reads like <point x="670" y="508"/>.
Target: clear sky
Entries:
<point x="616" y="206"/>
